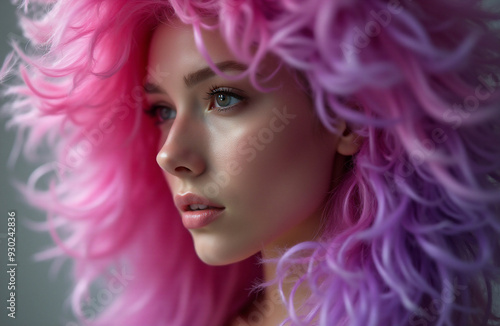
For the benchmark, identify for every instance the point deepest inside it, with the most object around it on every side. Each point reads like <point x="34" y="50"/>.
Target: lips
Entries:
<point x="197" y="211"/>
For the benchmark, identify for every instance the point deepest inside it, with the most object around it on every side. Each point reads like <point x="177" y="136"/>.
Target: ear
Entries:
<point x="348" y="142"/>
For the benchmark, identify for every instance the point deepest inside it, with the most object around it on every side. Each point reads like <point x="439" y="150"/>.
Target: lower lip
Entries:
<point x="201" y="218"/>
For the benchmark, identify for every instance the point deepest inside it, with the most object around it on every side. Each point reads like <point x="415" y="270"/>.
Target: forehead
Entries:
<point x="173" y="47"/>
<point x="173" y="50"/>
<point x="173" y="56"/>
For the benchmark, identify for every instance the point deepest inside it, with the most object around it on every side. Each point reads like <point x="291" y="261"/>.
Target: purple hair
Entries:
<point x="411" y="235"/>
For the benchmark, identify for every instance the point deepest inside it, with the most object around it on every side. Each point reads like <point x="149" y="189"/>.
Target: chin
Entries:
<point x="221" y="257"/>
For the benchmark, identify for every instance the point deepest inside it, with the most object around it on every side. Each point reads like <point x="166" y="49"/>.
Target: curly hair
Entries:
<point x="411" y="234"/>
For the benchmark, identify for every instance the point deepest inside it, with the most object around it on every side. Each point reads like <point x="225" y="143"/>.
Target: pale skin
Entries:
<point x="267" y="160"/>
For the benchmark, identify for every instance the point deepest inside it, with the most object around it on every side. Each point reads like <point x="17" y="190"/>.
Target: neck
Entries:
<point x="267" y="308"/>
<point x="272" y="295"/>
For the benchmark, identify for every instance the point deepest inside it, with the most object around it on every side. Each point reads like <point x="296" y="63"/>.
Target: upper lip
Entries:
<point x="182" y="202"/>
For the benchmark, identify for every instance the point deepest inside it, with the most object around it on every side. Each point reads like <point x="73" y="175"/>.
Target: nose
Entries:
<point x="181" y="153"/>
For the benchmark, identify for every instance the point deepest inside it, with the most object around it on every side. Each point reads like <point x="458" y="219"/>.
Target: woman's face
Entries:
<point x="259" y="161"/>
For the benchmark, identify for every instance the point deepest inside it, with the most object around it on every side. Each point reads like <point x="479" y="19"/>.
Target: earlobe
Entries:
<point x="348" y="141"/>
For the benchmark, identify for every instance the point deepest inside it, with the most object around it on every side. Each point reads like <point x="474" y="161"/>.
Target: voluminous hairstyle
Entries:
<point x="412" y="229"/>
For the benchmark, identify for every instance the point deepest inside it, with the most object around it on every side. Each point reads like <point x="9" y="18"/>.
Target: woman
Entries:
<point x="322" y="163"/>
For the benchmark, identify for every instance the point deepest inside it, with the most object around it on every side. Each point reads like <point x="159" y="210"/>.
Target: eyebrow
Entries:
<point x="198" y="76"/>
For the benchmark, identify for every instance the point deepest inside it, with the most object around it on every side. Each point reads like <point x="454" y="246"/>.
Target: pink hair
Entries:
<point x="415" y="215"/>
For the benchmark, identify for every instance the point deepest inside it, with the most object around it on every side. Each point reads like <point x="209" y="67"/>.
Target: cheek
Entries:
<point x="255" y="152"/>
<point x="277" y="175"/>
<point x="299" y="167"/>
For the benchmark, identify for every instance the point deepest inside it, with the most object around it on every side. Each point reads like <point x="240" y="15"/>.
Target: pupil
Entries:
<point x="164" y="114"/>
<point x="222" y="100"/>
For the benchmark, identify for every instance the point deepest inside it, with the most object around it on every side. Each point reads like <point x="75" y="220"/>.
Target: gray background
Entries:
<point x="40" y="295"/>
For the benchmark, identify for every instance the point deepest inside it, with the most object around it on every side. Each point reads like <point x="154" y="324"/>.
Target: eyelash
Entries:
<point x="153" y="110"/>
<point x="216" y="90"/>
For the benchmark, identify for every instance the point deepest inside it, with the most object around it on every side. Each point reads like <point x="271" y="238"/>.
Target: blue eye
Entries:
<point x="161" y="113"/>
<point x="223" y="99"/>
